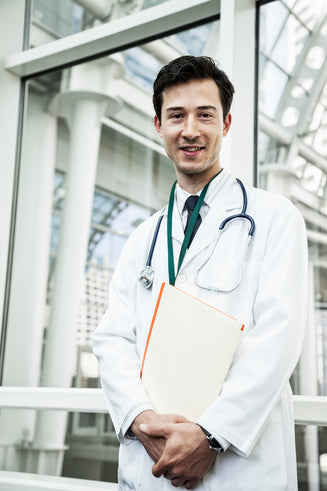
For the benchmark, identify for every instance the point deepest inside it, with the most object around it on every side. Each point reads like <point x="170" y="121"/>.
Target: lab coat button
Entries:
<point x="182" y="277"/>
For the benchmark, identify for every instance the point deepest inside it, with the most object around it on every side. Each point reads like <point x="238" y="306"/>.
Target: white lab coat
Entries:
<point x="254" y="411"/>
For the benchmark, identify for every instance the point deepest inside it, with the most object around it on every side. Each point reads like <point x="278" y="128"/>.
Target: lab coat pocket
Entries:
<point x="131" y="458"/>
<point x="226" y="276"/>
<point x="220" y="275"/>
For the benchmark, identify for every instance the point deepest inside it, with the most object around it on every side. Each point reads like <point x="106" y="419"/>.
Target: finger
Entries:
<point x="160" y="468"/>
<point x="171" y="475"/>
<point x="191" y="484"/>
<point x="177" y="481"/>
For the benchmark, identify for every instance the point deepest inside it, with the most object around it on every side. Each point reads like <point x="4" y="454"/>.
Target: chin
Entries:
<point x="190" y="169"/>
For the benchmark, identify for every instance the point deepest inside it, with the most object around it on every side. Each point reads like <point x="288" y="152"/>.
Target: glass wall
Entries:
<point x="311" y="452"/>
<point x="92" y="169"/>
<point x="292" y="151"/>
<point x="55" y="19"/>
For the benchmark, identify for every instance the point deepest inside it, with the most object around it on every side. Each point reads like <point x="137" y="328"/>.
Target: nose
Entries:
<point x="190" y="128"/>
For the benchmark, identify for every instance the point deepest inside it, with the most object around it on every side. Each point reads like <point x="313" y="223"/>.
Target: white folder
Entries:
<point x="188" y="353"/>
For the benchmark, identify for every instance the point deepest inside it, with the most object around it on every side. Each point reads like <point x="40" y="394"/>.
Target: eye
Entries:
<point x="205" y="115"/>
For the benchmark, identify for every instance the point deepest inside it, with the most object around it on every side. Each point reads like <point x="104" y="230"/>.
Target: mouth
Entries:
<point x="191" y="150"/>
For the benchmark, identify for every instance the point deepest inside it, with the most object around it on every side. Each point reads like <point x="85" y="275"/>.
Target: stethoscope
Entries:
<point x="147" y="274"/>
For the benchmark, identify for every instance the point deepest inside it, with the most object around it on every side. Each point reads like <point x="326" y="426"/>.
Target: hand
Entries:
<point x="154" y="445"/>
<point x="186" y="455"/>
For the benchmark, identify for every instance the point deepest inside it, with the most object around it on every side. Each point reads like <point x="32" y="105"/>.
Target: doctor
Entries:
<point x="244" y="441"/>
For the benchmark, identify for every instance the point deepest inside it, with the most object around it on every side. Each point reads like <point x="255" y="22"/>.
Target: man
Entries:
<point x="250" y="425"/>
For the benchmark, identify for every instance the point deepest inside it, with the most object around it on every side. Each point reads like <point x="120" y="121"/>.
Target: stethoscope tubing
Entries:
<point x="154" y="241"/>
<point x="146" y="274"/>
<point x="243" y="213"/>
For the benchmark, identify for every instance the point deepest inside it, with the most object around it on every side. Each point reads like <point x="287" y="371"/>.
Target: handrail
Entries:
<point x="308" y="410"/>
<point x="61" y="399"/>
<point x="23" y="481"/>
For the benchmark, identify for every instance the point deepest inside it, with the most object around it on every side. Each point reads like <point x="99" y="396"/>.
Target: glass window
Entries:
<point x="309" y="12"/>
<point x="294" y="36"/>
<point x="92" y="169"/>
<point x="273" y="83"/>
<point x="292" y="95"/>
<point x="311" y="457"/>
<point x="272" y="19"/>
<point x="55" y="19"/>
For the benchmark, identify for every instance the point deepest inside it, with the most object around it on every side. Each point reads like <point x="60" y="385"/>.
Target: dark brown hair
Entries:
<point x="187" y="68"/>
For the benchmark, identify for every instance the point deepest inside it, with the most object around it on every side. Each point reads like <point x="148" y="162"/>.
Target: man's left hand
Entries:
<point x="186" y="456"/>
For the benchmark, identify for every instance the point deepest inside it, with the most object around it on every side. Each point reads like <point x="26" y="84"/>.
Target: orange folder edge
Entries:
<point x="155" y="315"/>
<point x="151" y="327"/>
<point x="210" y="306"/>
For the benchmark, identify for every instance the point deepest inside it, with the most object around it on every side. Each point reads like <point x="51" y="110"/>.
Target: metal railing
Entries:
<point x="308" y="410"/>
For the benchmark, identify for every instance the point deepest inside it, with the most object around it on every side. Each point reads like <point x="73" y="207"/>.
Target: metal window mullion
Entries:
<point x="137" y="28"/>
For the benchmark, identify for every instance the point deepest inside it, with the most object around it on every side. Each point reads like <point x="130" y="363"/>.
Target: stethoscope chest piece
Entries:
<point x="147" y="273"/>
<point x="146" y="276"/>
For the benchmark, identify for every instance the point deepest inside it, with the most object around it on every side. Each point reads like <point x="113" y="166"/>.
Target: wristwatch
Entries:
<point x="213" y="443"/>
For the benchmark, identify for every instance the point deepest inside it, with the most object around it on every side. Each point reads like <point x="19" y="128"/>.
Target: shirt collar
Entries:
<point x="213" y="190"/>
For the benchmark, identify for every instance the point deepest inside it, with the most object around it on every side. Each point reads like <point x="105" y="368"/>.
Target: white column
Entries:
<point x="99" y="8"/>
<point x="27" y="314"/>
<point x="69" y="269"/>
<point x="237" y="58"/>
<point x="23" y="344"/>
<point x="308" y="387"/>
<point x="84" y="110"/>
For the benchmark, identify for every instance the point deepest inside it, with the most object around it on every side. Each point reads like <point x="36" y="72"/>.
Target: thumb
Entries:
<point x="155" y="430"/>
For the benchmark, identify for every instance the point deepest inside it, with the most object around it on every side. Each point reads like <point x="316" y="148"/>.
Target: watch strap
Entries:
<point x="213" y="442"/>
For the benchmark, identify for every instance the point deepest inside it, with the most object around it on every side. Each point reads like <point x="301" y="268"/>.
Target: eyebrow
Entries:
<point x="201" y="108"/>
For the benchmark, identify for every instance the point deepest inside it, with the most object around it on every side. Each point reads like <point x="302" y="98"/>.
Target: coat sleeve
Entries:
<point x="114" y="344"/>
<point x="270" y="350"/>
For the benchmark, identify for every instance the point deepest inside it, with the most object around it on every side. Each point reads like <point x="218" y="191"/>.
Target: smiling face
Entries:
<point x="192" y="127"/>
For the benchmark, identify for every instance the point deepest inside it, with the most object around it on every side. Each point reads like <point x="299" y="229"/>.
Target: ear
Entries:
<point x="227" y="124"/>
<point x="157" y="125"/>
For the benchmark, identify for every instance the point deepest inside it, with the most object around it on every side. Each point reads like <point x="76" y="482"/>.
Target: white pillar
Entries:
<point x="99" y="8"/>
<point x="84" y="110"/>
<point x="23" y="344"/>
<point x="237" y="58"/>
<point x="308" y="385"/>
<point x="69" y="269"/>
<point x="27" y="314"/>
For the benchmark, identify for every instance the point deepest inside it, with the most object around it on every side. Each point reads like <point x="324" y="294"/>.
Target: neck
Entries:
<point x="195" y="182"/>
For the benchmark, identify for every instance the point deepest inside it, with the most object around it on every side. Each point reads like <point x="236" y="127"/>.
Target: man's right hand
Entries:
<point x="154" y="445"/>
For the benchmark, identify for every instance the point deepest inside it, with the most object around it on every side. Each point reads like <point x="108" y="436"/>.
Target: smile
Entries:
<point x="191" y="149"/>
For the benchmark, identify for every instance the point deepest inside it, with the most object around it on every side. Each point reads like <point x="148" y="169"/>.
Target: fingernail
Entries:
<point x="143" y="427"/>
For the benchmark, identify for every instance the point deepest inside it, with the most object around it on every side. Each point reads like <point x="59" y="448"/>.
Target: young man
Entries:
<point x="250" y="425"/>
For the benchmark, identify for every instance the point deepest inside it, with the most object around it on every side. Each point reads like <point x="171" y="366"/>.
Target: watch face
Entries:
<point x="214" y="444"/>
